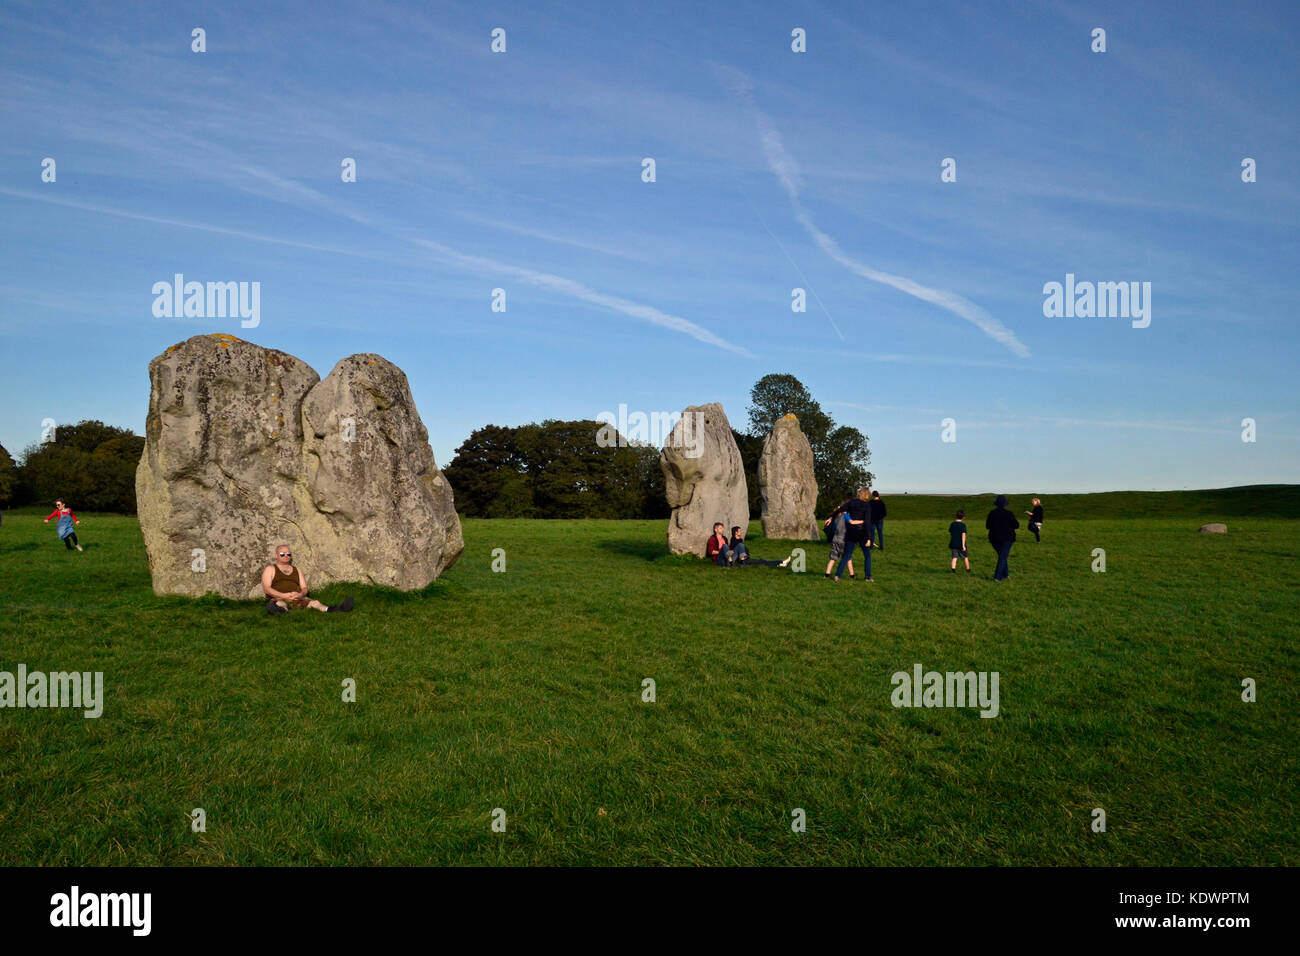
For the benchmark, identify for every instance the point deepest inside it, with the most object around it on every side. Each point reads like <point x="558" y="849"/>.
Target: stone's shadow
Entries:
<point x="637" y="548"/>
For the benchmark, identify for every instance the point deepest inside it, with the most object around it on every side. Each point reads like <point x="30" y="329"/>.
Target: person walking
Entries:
<point x="957" y="541"/>
<point x="1036" y="519"/>
<point x="1001" y="525"/>
<point x="877" y="521"/>
<point x="859" y="533"/>
<point x="67" y="520"/>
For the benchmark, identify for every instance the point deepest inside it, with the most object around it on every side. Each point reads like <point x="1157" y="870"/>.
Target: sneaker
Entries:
<point x="785" y="562"/>
<point x="80" y="548"/>
<point x="273" y="608"/>
<point x="339" y="608"/>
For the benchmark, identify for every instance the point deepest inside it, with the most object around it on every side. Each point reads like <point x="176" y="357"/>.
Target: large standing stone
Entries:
<point x="382" y="496"/>
<point x="704" y="478"/>
<point x="246" y="448"/>
<point x="788" y="483"/>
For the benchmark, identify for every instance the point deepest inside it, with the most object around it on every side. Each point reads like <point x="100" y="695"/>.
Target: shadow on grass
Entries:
<point x="637" y="548"/>
<point x="363" y="594"/>
<point x="25" y="546"/>
<point x="654" y="552"/>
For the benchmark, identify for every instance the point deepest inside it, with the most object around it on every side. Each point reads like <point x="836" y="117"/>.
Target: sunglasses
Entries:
<point x="286" y="554"/>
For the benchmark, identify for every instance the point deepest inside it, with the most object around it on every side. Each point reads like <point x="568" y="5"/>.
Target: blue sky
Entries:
<point x="774" y="170"/>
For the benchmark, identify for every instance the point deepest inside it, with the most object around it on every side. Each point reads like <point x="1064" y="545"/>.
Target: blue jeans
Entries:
<point x="848" y="556"/>
<point x="878" y="533"/>
<point x="1003" y="548"/>
<point x="723" y="557"/>
<point x="740" y="551"/>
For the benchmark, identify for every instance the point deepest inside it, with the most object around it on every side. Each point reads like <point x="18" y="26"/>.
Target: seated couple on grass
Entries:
<point x="734" y="553"/>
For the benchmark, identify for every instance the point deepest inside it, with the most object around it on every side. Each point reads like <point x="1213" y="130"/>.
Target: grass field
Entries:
<point x="523" y="690"/>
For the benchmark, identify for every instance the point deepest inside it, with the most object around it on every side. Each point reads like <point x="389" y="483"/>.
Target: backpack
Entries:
<point x="830" y="528"/>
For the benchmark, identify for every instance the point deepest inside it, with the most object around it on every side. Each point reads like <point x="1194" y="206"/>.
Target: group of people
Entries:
<point x="859" y="521"/>
<point x="732" y="552"/>
<point x="1001" y="525"/>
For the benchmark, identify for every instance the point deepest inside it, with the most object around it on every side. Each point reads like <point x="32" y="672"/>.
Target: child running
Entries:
<point x="65" y="527"/>
<point x="957" y="542"/>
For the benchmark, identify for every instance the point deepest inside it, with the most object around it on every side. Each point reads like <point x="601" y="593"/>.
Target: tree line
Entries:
<point x="548" y="469"/>
<point x="90" y="465"/>
<point x="556" y="469"/>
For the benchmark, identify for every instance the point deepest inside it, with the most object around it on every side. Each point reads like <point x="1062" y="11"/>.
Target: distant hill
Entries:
<point x="1248" y="501"/>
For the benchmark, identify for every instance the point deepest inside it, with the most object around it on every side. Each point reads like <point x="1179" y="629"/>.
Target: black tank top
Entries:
<point x="285" y="583"/>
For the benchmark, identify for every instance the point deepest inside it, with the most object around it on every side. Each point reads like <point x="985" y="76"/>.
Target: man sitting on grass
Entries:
<point x="286" y="585"/>
<point x="741" y="553"/>
<point x="716" y="549"/>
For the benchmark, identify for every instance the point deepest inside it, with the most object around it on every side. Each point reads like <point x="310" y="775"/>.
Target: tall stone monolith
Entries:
<point x="788" y="483"/>
<point x="704" y="478"/>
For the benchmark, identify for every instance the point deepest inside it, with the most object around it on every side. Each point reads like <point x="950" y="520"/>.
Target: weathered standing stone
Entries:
<point x="1213" y="529"/>
<point x="788" y="483"/>
<point x="246" y="447"/>
<point x="704" y="478"/>
<point x="381" y="495"/>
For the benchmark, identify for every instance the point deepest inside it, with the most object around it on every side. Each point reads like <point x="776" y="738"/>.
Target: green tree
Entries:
<point x="90" y="465"/>
<point x="841" y="468"/>
<point x="555" y="469"/>
<point x="86" y="435"/>
<point x="8" y="478"/>
<point x="751" y="450"/>
<point x="486" y="465"/>
<point x="113" y="465"/>
<point x="840" y="452"/>
<point x="574" y="477"/>
<point x="51" y="471"/>
<point x="655" y="494"/>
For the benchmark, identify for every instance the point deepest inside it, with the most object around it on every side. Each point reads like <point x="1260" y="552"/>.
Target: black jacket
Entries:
<point x="859" y="510"/>
<point x="1002" y="525"/>
<point x="877" y="510"/>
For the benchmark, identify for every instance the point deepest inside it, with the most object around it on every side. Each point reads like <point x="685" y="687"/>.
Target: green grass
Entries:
<point x="522" y="690"/>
